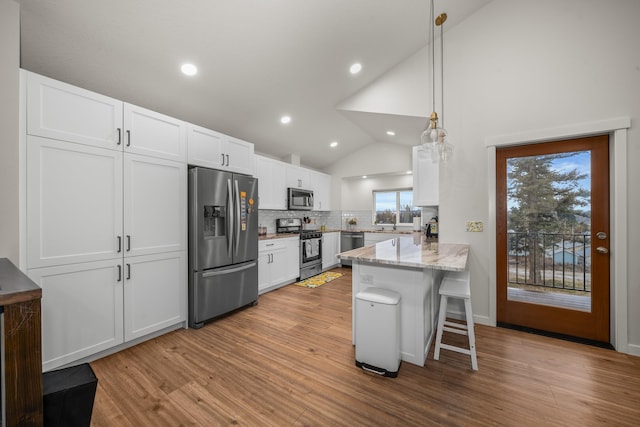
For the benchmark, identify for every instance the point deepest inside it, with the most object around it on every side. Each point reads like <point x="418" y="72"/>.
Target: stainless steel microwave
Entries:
<point x="299" y="199"/>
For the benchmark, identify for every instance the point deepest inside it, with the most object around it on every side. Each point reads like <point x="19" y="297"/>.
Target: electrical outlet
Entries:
<point x="474" y="226"/>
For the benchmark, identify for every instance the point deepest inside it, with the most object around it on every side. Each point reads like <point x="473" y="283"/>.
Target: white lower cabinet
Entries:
<point x="155" y="292"/>
<point x="82" y="310"/>
<point x="278" y="262"/>
<point x="92" y="307"/>
<point x="330" y="248"/>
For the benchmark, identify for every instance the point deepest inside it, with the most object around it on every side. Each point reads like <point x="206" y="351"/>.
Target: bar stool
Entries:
<point x="456" y="285"/>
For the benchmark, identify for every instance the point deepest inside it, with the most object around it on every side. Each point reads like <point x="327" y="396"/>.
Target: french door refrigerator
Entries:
<point x="223" y="243"/>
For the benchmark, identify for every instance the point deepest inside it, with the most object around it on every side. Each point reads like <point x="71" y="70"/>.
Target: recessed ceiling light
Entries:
<point x="285" y="120"/>
<point x="355" y="68"/>
<point x="391" y="133"/>
<point x="409" y="172"/>
<point x="189" y="69"/>
<point x="333" y="144"/>
<point x="364" y="176"/>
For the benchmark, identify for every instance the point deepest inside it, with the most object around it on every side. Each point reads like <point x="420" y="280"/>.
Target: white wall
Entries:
<point x="517" y="66"/>
<point x="357" y="193"/>
<point x="378" y="158"/>
<point x="9" y="104"/>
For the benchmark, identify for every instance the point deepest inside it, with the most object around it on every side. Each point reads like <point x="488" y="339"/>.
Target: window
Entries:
<point x="394" y="207"/>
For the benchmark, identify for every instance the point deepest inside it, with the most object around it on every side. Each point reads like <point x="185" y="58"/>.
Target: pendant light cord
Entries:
<point x="433" y="58"/>
<point x="442" y="73"/>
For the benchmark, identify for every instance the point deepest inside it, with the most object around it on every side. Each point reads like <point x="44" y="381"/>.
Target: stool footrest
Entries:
<point x="456" y="328"/>
<point x="457" y="349"/>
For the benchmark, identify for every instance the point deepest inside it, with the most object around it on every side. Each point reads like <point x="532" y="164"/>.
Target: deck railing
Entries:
<point x="550" y="260"/>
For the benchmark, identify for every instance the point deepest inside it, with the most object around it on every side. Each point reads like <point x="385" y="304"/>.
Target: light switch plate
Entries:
<point x="474" y="226"/>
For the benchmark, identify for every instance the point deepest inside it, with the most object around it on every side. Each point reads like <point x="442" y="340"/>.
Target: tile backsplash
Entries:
<point x="333" y="220"/>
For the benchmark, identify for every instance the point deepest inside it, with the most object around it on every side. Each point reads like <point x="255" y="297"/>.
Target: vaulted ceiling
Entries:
<point x="257" y="60"/>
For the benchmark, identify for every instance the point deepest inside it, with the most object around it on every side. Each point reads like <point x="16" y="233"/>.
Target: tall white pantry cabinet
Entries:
<point x="105" y="218"/>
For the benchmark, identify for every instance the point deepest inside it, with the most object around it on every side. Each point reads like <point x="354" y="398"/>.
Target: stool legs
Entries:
<point x="458" y="328"/>
<point x="441" y="318"/>
<point x="471" y="333"/>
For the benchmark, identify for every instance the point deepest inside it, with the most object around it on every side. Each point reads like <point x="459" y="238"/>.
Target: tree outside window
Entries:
<point x="394" y="207"/>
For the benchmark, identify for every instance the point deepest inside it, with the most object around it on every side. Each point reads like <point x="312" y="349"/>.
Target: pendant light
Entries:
<point x="434" y="138"/>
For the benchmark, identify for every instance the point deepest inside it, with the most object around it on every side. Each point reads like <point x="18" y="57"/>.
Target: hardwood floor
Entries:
<point x="289" y="362"/>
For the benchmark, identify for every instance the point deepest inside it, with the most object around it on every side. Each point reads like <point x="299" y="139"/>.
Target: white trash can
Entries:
<point x="378" y="331"/>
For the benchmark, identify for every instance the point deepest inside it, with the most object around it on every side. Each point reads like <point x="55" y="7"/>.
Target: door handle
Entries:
<point x="128" y="138"/>
<point x="119" y="136"/>
<point x="119" y="273"/>
<point x="128" y="271"/>
<point x="602" y="250"/>
<point x="227" y="159"/>
<point x="119" y="244"/>
<point x="128" y="243"/>
<point x="601" y="235"/>
<point x="222" y="162"/>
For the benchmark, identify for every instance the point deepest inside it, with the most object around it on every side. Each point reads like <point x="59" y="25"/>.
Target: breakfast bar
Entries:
<point x="413" y="267"/>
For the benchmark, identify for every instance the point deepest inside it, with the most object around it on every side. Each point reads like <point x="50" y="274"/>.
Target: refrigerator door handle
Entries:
<point x="227" y="271"/>
<point x="238" y="218"/>
<point x="230" y="218"/>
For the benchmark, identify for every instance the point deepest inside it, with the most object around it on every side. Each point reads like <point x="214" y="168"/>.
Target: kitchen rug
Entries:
<point x="319" y="280"/>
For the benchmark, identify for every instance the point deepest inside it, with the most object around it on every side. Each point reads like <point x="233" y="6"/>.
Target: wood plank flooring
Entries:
<point x="289" y="362"/>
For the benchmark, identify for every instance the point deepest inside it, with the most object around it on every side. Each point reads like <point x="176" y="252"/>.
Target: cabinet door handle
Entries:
<point x="227" y="159"/>
<point x="119" y="273"/>
<point x="119" y="136"/>
<point x="128" y="271"/>
<point x="222" y="163"/>
<point x="119" y="244"/>
<point x="128" y="243"/>
<point x="128" y="138"/>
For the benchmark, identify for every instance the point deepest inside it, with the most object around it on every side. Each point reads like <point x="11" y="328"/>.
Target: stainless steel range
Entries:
<point x="310" y="245"/>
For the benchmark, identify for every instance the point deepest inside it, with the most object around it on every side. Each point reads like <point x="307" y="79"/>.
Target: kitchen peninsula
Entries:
<point x="413" y="267"/>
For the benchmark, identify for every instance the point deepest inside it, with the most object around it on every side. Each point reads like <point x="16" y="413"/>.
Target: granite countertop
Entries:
<point x="413" y="251"/>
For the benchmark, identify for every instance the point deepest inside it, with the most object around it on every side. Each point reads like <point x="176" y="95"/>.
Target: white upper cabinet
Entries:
<point x="153" y="134"/>
<point x="320" y="183"/>
<point x="239" y="155"/>
<point x="297" y="177"/>
<point x="211" y="149"/>
<point x="155" y="203"/>
<point x="60" y="111"/>
<point x="204" y="147"/>
<point x="272" y="183"/>
<point x="74" y="203"/>
<point x="425" y="179"/>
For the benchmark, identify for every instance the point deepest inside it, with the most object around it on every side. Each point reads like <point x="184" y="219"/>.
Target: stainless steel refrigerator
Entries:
<point x="223" y="243"/>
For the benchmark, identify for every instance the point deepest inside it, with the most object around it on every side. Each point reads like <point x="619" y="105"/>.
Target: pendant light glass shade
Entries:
<point x="434" y="138"/>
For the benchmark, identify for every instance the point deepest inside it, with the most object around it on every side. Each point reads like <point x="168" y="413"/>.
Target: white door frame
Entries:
<point x="617" y="130"/>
